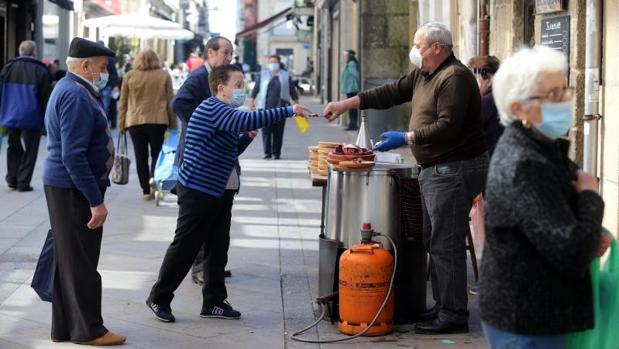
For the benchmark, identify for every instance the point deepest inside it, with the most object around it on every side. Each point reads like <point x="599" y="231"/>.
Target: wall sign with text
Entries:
<point x="555" y="33"/>
<point x="548" y="6"/>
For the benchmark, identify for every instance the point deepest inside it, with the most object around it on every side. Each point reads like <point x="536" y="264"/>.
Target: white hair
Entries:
<point x="519" y="74"/>
<point x="436" y="32"/>
<point x="74" y="62"/>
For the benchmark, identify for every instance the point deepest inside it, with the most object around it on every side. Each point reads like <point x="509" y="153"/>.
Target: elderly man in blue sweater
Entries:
<point x="216" y="134"/>
<point x="75" y="177"/>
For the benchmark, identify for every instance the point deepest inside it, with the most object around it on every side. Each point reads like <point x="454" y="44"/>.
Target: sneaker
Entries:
<point x="161" y="312"/>
<point x="222" y="310"/>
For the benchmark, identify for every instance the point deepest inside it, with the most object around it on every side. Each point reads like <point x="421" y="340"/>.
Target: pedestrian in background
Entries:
<point x="146" y="112"/>
<point x="80" y="154"/>
<point x="111" y="92"/>
<point x="543" y="215"/>
<point x="25" y="86"/>
<point x="193" y="91"/>
<point x="350" y="86"/>
<point x="484" y="68"/>
<point x="446" y="138"/>
<point x="273" y="88"/>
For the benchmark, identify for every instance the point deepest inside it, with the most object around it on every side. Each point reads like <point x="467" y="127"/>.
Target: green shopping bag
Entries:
<point x="605" y="283"/>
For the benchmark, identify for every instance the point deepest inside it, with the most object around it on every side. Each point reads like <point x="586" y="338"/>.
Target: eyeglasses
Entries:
<point x="556" y="95"/>
<point x="480" y="71"/>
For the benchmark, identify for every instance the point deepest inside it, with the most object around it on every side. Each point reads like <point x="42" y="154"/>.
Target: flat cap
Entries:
<point x="350" y="52"/>
<point x="82" y="48"/>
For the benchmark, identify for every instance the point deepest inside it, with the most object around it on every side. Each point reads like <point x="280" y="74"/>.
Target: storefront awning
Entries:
<point x="140" y="26"/>
<point x="254" y="28"/>
<point x="65" y="4"/>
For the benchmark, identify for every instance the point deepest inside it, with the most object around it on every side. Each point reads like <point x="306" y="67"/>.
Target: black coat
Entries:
<point x="541" y="236"/>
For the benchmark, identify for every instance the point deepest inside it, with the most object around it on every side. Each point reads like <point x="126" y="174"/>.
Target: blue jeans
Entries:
<point x="499" y="339"/>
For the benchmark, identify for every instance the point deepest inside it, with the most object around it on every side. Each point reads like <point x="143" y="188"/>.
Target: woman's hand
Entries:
<point x="586" y="181"/>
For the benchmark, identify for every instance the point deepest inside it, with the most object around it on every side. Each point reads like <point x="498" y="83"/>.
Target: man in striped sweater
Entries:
<point x="216" y="134"/>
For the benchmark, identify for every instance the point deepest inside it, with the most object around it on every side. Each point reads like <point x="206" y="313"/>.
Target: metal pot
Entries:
<point x="358" y="196"/>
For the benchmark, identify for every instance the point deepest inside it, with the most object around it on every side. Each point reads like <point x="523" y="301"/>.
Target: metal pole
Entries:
<point x="592" y="85"/>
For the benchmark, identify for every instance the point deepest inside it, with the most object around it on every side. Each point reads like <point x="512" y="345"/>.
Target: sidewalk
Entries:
<point x="273" y="257"/>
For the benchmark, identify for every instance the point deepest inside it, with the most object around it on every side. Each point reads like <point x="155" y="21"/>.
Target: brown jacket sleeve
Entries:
<point x="122" y="105"/>
<point x="169" y="94"/>
<point x="454" y="96"/>
<point x="388" y="95"/>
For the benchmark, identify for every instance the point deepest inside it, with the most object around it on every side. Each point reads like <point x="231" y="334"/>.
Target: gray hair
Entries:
<point x="437" y="32"/>
<point x="27" y="48"/>
<point x="518" y="75"/>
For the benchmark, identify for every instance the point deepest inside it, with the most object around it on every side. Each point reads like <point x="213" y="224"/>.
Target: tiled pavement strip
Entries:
<point x="273" y="258"/>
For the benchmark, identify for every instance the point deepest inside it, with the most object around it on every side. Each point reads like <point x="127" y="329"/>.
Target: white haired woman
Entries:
<point x="543" y="215"/>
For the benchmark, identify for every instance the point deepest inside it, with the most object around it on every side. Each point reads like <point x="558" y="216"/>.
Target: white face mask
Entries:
<point x="416" y="57"/>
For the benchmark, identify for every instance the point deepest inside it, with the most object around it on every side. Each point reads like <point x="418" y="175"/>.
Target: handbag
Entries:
<point x="43" y="279"/>
<point x="120" y="172"/>
<point x="605" y="286"/>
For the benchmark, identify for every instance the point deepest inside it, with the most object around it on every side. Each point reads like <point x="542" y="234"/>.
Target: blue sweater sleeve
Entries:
<point x="235" y="120"/>
<point x="76" y="131"/>
<point x="244" y="142"/>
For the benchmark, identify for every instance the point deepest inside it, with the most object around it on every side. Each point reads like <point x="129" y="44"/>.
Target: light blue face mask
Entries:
<point x="102" y="82"/>
<point x="556" y="119"/>
<point x="238" y="98"/>
<point x="273" y="67"/>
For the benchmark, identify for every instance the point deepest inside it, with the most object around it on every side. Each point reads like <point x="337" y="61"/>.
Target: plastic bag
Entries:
<point x="605" y="284"/>
<point x="43" y="279"/>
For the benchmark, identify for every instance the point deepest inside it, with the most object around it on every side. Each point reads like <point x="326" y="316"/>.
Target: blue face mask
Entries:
<point x="102" y="82"/>
<point x="273" y="67"/>
<point x="556" y="119"/>
<point x="238" y="98"/>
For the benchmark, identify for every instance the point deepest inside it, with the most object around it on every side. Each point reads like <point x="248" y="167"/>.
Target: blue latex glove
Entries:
<point x="390" y="140"/>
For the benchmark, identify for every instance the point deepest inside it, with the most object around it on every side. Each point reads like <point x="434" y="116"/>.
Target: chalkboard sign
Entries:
<point x="555" y="33"/>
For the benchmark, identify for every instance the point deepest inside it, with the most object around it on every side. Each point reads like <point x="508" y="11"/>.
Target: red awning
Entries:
<point x="254" y="28"/>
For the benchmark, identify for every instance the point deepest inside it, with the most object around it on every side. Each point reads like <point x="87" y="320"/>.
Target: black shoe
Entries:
<point x="276" y="157"/>
<point x="222" y="310"/>
<point x="266" y="157"/>
<point x="441" y="327"/>
<point x="25" y="188"/>
<point x="228" y="273"/>
<point x="198" y="278"/>
<point x="429" y="314"/>
<point x="351" y="128"/>
<point x="13" y="186"/>
<point x="161" y="312"/>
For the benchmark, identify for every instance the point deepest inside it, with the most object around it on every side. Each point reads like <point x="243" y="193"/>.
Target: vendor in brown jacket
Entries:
<point x="446" y="137"/>
<point x="146" y="112"/>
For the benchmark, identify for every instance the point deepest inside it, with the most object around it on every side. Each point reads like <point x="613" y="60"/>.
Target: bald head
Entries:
<point x="28" y="48"/>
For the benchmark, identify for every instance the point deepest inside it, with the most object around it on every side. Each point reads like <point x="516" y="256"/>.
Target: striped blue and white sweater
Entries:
<point x="212" y="142"/>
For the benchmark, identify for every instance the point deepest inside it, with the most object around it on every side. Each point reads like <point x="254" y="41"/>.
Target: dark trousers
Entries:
<point x="76" y="302"/>
<point x="109" y="104"/>
<point x="352" y="115"/>
<point x="447" y="192"/>
<point x="203" y="223"/>
<point x="21" y="155"/>
<point x="143" y="136"/>
<point x="273" y="137"/>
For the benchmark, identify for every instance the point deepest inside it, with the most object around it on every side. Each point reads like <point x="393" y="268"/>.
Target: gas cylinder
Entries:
<point x="364" y="277"/>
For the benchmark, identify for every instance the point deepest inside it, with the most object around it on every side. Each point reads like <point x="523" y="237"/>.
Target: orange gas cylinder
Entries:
<point x="365" y="274"/>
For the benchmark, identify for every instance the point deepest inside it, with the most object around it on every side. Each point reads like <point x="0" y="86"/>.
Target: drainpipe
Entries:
<point x="484" y="27"/>
<point x="592" y="85"/>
